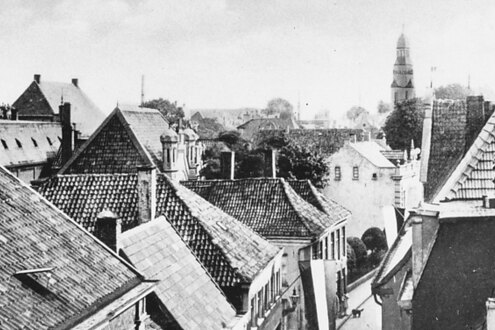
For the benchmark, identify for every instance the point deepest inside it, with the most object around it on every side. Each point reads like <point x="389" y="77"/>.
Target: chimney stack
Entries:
<point x="67" y="139"/>
<point x="417" y="248"/>
<point x="13" y="113"/>
<point x="270" y="167"/>
<point x="475" y="118"/>
<point x="108" y="228"/>
<point x="227" y="164"/>
<point x="37" y="78"/>
<point x="146" y="185"/>
<point x="75" y="82"/>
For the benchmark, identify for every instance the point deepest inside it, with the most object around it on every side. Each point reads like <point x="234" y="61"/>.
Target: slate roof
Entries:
<point x="310" y="194"/>
<point x="39" y="142"/>
<point x="230" y="251"/>
<point x="372" y="151"/>
<point x="185" y="288"/>
<point x="45" y="97"/>
<point x="323" y="142"/>
<point x="267" y="205"/>
<point x="129" y="137"/>
<point x="86" y="275"/>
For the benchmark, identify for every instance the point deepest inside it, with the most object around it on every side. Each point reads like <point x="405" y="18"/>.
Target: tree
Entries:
<point x="359" y="249"/>
<point x="383" y="107"/>
<point x="376" y="257"/>
<point x="209" y="128"/>
<point x="452" y="92"/>
<point x="351" y="258"/>
<point x="167" y="108"/>
<point x="404" y="124"/>
<point x="374" y="239"/>
<point x="279" y="106"/>
<point x="354" y="112"/>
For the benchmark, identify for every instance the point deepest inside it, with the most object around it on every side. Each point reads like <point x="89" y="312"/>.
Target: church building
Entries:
<point x="403" y="81"/>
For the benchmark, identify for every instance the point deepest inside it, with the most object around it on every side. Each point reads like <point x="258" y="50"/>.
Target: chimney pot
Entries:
<point x="75" y="82"/>
<point x="37" y="78"/>
<point x="108" y="228"/>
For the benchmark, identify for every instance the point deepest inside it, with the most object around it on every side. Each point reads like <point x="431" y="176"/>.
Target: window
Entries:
<point x="266" y="294"/>
<point x="395" y="97"/>
<point x="5" y="146"/>
<point x="344" y="248"/>
<point x="320" y="250"/>
<point x="337" y="173"/>
<point x="407" y="95"/>
<point x="34" y="142"/>
<point x="374" y="176"/>
<point x="283" y="267"/>
<point x="260" y="303"/>
<point x="332" y="245"/>
<point x="19" y="144"/>
<point x="355" y="173"/>
<point x="315" y="250"/>
<point x="326" y="247"/>
<point x="338" y="243"/>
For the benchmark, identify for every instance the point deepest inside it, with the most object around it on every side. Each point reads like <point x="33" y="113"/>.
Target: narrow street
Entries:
<point x="361" y="298"/>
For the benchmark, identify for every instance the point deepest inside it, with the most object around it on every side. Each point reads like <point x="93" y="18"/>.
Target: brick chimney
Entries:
<point x="13" y="113"/>
<point x="227" y="164"/>
<point x="108" y="228"/>
<point x="37" y="78"/>
<point x="146" y="186"/>
<point x="67" y="138"/>
<point x="270" y="168"/>
<point x="475" y="118"/>
<point x="75" y="82"/>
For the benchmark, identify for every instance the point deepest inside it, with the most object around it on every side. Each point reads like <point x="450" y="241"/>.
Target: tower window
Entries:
<point x="355" y="173"/>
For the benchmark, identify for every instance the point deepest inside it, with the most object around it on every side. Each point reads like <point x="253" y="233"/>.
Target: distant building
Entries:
<point x="295" y="216"/>
<point x="250" y="128"/>
<point x="55" y="275"/>
<point x="41" y="100"/>
<point x="403" y="79"/>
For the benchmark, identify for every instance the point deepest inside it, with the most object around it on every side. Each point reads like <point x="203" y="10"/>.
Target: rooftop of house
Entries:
<point x="130" y="136"/>
<point x="230" y="251"/>
<point x="372" y="151"/>
<point x="53" y="273"/>
<point x="186" y="289"/>
<point x="28" y="142"/>
<point x="85" y="113"/>
<point x="269" y="206"/>
<point x="324" y="142"/>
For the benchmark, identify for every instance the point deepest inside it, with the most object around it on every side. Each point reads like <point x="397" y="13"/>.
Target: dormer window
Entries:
<point x="34" y="142"/>
<point x="19" y="144"/>
<point x="5" y="146"/>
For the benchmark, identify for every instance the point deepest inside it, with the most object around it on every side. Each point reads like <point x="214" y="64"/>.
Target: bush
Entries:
<point x="351" y="258"/>
<point x="376" y="257"/>
<point x="359" y="249"/>
<point x="374" y="239"/>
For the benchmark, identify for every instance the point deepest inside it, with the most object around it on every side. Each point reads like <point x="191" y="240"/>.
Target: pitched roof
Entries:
<point x="324" y="142"/>
<point x="252" y="126"/>
<point x="129" y="137"/>
<point x="372" y="151"/>
<point x="85" y="275"/>
<point x="28" y="142"/>
<point x="85" y="113"/>
<point x="230" y="251"/>
<point x="310" y="194"/>
<point x="185" y="288"/>
<point x="267" y="205"/>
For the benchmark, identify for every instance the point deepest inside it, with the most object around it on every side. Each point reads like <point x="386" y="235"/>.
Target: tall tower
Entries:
<point x="403" y="83"/>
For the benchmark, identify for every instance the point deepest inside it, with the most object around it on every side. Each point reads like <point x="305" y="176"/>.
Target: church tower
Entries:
<point x="403" y="83"/>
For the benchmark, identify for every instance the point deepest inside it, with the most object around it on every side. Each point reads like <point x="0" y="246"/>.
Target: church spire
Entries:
<point x="403" y="78"/>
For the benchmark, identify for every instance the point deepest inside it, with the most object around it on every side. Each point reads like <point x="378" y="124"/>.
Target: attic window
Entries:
<point x="19" y="144"/>
<point x="49" y="141"/>
<point x="34" y="142"/>
<point x="374" y="176"/>
<point x="5" y="144"/>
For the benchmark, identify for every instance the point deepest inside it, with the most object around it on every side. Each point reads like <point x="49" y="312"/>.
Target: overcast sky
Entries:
<point x="235" y="53"/>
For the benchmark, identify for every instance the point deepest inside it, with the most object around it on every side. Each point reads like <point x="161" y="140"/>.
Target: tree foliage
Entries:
<point x="354" y="112"/>
<point x="374" y="239"/>
<point x="359" y="249"/>
<point x="167" y="108"/>
<point x="209" y="127"/>
<point x="351" y="258"/>
<point x="452" y="92"/>
<point x="404" y="124"/>
<point x="384" y="107"/>
<point x="279" y="106"/>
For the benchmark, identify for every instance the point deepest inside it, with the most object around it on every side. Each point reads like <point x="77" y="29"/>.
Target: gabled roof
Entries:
<point x="310" y="194"/>
<point x="85" y="113"/>
<point x="473" y="177"/>
<point x="129" y="137"/>
<point x="323" y="142"/>
<point x="80" y="273"/>
<point x="185" y="289"/>
<point x="267" y="205"/>
<point x="39" y="142"/>
<point x="372" y="151"/>
<point x="230" y="251"/>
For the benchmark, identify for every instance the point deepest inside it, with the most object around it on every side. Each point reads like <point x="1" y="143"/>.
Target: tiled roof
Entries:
<point x="231" y="255"/>
<point x="373" y="153"/>
<point x="230" y="251"/>
<point x="39" y="142"/>
<point x="185" y="288"/>
<point x="84" y="196"/>
<point x="267" y="205"/>
<point x="85" y="113"/>
<point x="85" y="275"/>
<point x="324" y="142"/>
<point x="310" y="194"/>
<point x="474" y="175"/>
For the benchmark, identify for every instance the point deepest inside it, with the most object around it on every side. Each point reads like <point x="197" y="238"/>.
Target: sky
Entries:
<point x="327" y="55"/>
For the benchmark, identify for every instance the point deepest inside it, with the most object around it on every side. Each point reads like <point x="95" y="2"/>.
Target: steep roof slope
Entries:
<point x="267" y="205"/>
<point x="372" y="151"/>
<point x="185" y="288"/>
<point x="84" y="274"/>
